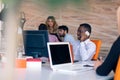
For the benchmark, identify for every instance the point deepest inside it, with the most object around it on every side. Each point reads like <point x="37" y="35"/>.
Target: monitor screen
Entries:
<point x="60" y="53"/>
<point x="35" y="43"/>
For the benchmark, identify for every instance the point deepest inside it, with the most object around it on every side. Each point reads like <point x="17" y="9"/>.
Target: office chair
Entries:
<point x="117" y="72"/>
<point x="98" y="45"/>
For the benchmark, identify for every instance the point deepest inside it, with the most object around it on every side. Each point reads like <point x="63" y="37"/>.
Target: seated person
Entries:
<point x="84" y="48"/>
<point x="110" y="63"/>
<point x="52" y="38"/>
<point x="52" y="26"/>
<point x="63" y="32"/>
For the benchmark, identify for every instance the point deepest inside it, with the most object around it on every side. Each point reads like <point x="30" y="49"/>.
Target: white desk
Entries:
<point x="47" y="74"/>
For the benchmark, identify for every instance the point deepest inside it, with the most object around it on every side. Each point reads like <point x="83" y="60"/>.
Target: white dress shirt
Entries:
<point x="84" y="50"/>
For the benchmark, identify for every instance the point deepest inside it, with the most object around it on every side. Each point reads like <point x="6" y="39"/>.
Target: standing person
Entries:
<point x="110" y="63"/>
<point x="84" y="48"/>
<point x="52" y="38"/>
<point x="63" y="32"/>
<point x="52" y="26"/>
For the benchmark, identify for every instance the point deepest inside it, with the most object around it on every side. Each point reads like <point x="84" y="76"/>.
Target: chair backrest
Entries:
<point x="98" y="45"/>
<point x="117" y="72"/>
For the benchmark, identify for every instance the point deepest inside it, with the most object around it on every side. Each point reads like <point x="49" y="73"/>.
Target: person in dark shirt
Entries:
<point x="110" y="63"/>
<point x="52" y="38"/>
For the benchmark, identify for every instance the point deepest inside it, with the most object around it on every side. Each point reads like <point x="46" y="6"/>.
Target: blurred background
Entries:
<point x="101" y="14"/>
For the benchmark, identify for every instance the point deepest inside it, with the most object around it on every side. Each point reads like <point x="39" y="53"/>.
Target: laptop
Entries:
<point x="61" y="58"/>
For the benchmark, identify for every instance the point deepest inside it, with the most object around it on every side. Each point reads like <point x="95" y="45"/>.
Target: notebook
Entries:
<point x="61" y="58"/>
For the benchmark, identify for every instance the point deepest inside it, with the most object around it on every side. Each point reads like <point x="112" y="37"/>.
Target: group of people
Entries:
<point x="84" y="48"/>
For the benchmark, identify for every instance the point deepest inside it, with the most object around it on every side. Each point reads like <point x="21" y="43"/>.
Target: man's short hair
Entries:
<point x="87" y="26"/>
<point x="63" y="27"/>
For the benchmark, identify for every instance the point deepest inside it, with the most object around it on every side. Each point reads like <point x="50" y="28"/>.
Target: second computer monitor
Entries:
<point x="35" y="43"/>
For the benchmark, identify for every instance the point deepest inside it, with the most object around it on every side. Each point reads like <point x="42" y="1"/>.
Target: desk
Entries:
<point x="47" y="74"/>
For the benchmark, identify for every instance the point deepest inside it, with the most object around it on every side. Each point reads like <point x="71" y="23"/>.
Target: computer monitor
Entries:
<point x="35" y="43"/>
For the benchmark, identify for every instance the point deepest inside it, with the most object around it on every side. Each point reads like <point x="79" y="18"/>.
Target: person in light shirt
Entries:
<point x="84" y="48"/>
<point x="63" y="32"/>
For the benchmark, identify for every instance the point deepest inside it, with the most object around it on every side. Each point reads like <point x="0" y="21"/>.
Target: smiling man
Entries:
<point x="84" y="48"/>
<point x="63" y="32"/>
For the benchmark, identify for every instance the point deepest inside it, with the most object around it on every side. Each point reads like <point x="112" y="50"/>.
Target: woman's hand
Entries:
<point x="98" y="63"/>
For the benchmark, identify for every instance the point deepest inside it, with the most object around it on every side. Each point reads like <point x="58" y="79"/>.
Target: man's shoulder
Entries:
<point x="77" y="42"/>
<point x="68" y="36"/>
<point x="91" y="43"/>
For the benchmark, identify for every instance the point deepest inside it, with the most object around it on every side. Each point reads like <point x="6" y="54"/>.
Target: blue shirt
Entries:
<point x="69" y="38"/>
